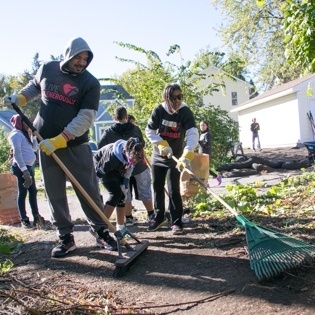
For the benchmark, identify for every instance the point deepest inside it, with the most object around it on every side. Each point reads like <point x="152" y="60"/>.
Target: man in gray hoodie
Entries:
<point x="69" y="103"/>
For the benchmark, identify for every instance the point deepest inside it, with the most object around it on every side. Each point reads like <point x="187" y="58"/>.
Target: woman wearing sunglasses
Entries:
<point x="170" y="123"/>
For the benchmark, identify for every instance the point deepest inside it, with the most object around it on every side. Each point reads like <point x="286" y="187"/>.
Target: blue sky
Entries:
<point x="30" y="26"/>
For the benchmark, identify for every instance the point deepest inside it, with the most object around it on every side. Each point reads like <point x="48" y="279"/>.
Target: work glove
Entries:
<point x="185" y="161"/>
<point x="27" y="179"/>
<point x="165" y="149"/>
<point x="18" y="99"/>
<point x="52" y="144"/>
<point x="124" y="188"/>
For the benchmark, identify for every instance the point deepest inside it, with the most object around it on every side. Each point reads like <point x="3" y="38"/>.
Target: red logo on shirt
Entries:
<point x="70" y="90"/>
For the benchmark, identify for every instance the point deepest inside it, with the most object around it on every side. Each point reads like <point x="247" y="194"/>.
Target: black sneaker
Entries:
<point x="167" y="217"/>
<point x="154" y="225"/>
<point x="177" y="230"/>
<point x="150" y="218"/>
<point x="103" y="235"/>
<point x="26" y="224"/>
<point x="65" y="246"/>
<point x="39" y="221"/>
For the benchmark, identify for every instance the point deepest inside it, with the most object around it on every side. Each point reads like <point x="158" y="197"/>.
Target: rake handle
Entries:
<point x="68" y="173"/>
<point x="228" y="207"/>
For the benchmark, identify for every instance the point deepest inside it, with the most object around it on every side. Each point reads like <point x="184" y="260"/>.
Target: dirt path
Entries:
<point x="210" y="258"/>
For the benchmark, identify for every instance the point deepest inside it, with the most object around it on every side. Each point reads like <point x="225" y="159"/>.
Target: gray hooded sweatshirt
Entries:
<point x="68" y="101"/>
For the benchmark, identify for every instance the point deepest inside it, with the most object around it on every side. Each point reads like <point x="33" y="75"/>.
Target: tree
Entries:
<point x="233" y="64"/>
<point x="145" y="82"/>
<point x="255" y="30"/>
<point x="299" y="28"/>
<point x="4" y="151"/>
<point x="13" y="84"/>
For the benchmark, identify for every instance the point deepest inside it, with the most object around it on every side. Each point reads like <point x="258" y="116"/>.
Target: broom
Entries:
<point x="270" y="253"/>
<point x="124" y="262"/>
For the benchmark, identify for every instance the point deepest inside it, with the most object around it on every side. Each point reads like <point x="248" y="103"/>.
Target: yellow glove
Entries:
<point x="165" y="149"/>
<point x="19" y="100"/>
<point x="52" y="144"/>
<point x="185" y="161"/>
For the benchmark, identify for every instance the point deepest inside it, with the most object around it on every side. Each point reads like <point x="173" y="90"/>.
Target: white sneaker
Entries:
<point x="131" y="221"/>
<point x="119" y="227"/>
<point x="99" y="241"/>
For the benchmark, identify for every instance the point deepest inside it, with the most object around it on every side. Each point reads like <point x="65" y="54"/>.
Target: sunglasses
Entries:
<point x="177" y="97"/>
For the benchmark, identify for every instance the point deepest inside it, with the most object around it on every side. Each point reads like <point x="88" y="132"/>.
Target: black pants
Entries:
<point x="172" y="175"/>
<point x="22" y="192"/>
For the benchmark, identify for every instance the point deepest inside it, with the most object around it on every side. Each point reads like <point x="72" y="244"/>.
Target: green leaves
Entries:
<point x="260" y="3"/>
<point x="146" y="84"/>
<point x="299" y="29"/>
<point x="4" y="151"/>
<point x="255" y="29"/>
<point x="5" y="266"/>
<point x="292" y="198"/>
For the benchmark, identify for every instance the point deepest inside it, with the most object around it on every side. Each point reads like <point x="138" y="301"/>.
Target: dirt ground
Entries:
<point x="204" y="271"/>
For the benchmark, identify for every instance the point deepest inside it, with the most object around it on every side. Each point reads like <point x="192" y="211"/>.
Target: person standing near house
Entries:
<point x="170" y="123"/>
<point x="123" y="129"/>
<point x="254" y="127"/>
<point x="205" y="146"/>
<point x="69" y="103"/>
<point x="23" y="159"/>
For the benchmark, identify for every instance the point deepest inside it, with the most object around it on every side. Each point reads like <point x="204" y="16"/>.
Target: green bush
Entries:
<point x="4" y="151"/>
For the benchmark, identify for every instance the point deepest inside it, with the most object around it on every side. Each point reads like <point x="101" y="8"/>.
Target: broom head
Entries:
<point x="123" y="264"/>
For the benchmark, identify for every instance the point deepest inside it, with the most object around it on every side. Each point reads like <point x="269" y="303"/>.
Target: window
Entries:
<point x="234" y="98"/>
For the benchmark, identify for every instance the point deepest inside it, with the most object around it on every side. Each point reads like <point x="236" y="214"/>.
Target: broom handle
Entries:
<point x="68" y="173"/>
<point x="208" y="189"/>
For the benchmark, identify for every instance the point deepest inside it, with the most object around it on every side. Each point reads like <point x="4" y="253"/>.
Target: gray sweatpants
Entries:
<point x="79" y="161"/>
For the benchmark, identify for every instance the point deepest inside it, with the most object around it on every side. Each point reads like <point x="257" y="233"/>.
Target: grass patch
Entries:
<point x="9" y="243"/>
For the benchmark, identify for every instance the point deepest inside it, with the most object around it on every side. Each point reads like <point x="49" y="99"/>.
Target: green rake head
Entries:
<point x="272" y="253"/>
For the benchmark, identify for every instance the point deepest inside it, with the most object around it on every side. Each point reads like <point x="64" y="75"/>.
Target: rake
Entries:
<point x="270" y="253"/>
<point x="124" y="261"/>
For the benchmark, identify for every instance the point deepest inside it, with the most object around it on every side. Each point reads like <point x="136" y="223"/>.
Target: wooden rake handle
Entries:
<point x="68" y="173"/>
<point x="228" y="207"/>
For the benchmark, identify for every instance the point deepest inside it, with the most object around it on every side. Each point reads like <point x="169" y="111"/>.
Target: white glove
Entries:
<point x="8" y="100"/>
<point x="125" y="192"/>
<point x="165" y="149"/>
<point x="185" y="161"/>
<point x="18" y="99"/>
<point x="125" y="187"/>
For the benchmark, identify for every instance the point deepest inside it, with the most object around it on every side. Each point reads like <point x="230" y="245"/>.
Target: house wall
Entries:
<point x="306" y="104"/>
<point x="99" y="127"/>
<point x="223" y="98"/>
<point x="279" y="123"/>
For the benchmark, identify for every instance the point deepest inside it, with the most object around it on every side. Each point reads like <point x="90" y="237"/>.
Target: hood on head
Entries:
<point x="16" y="122"/>
<point x="75" y="46"/>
